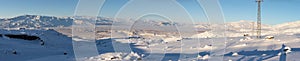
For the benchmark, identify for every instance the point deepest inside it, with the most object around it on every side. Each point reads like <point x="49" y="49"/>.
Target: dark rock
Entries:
<point x="24" y="37"/>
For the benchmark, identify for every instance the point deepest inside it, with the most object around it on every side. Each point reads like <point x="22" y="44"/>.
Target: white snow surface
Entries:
<point x="198" y="46"/>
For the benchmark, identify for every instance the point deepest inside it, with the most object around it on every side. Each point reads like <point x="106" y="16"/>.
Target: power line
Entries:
<point x="259" y="18"/>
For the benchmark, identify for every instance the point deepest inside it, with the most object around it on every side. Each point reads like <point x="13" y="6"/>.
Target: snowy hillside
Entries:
<point x="290" y="27"/>
<point x="48" y="44"/>
<point x="239" y="28"/>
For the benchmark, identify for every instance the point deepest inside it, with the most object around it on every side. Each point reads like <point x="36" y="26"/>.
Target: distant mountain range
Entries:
<point x="34" y="21"/>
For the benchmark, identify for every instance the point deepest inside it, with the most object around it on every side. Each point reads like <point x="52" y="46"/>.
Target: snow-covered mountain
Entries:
<point x="34" y="21"/>
<point x="290" y="27"/>
<point x="241" y="27"/>
<point x="238" y="25"/>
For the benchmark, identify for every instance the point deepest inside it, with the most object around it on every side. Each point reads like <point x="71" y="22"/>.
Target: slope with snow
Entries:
<point x="55" y="45"/>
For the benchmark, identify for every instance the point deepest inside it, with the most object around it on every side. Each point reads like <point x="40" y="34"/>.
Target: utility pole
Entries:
<point x="253" y="29"/>
<point x="259" y="18"/>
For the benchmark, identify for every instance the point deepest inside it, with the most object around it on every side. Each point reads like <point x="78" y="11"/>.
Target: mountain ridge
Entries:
<point x="53" y="21"/>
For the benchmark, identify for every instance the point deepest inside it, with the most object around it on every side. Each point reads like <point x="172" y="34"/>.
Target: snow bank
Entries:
<point x="172" y="39"/>
<point x="115" y="56"/>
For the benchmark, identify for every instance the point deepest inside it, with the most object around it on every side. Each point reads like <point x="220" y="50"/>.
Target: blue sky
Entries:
<point x="273" y="11"/>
